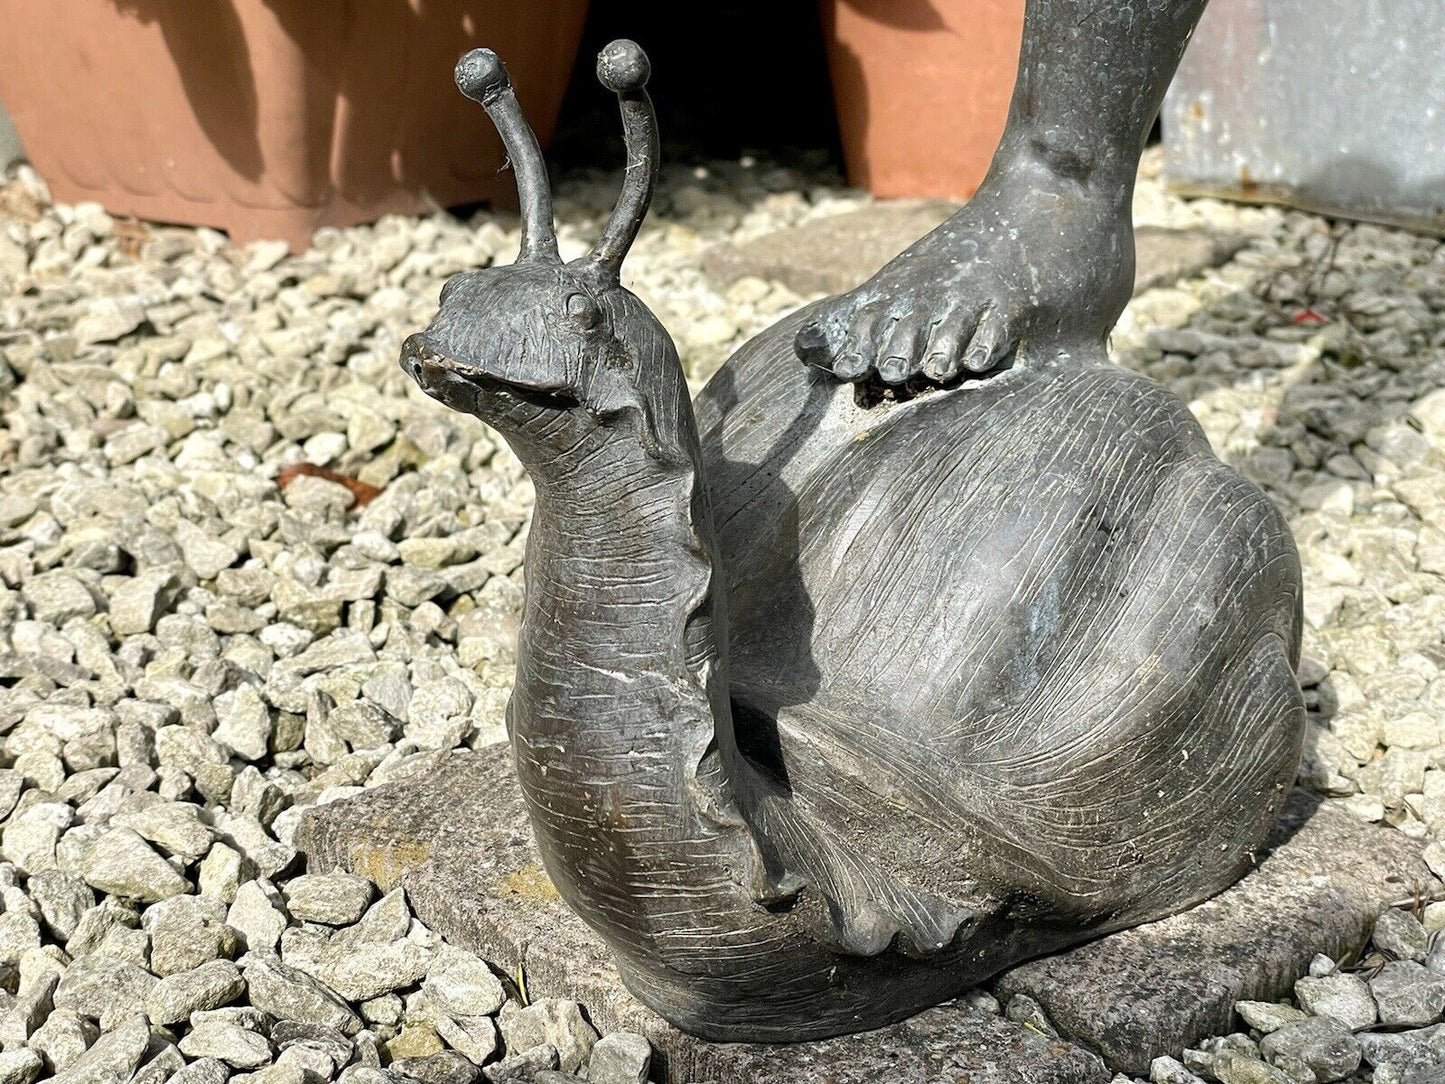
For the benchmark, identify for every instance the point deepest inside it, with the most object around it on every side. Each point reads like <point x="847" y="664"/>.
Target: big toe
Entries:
<point x="813" y="345"/>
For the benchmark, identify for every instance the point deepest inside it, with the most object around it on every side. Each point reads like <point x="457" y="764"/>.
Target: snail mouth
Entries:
<point x="437" y="373"/>
<point x="542" y="398"/>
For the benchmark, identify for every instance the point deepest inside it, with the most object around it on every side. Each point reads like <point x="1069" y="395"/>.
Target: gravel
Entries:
<point x="289" y="994"/>
<point x="19" y="1066"/>
<point x="1266" y="1016"/>
<point x="553" y="1022"/>
<point x="231" y="1043"/>
<point x="186" y="932"/>
<point x="113" y="1057"/>
<point x="207" y="986"/>
<point x="1408" y="995"/>
<point x="120" y="863"/>
<point x="461" y="985"/>
<point x="1167" y="1070"/>
<point x="1377" y="1016"/>
<point x="1232" y="1068"/>
<point x="1347" y="998"/>
<point x="63" y="1038"/>
<point x="1401" y="935"/>
<point x="1321" y="1043"/>
<point x="523" y="1065"/>
<point x="337" y="899"/>
<point x="198" y="641"/>
<point x="620" y="1058"/>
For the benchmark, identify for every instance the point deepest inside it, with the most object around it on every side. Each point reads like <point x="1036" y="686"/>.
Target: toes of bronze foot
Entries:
<point x="811" y="345"/>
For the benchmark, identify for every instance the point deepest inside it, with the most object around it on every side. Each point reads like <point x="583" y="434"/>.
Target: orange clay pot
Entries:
<point x="269" y="118"/>
<point x="922" y="89"/>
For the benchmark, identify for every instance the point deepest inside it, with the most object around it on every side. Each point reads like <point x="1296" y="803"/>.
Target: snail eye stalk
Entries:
<point x="623" y="68"/>
<point x="481" y="77"/>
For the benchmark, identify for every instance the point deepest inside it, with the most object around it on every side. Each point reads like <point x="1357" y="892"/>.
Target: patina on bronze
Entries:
<point x="833" y="703"/>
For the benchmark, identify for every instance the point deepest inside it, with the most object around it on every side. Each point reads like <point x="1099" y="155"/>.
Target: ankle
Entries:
<point x="1049" y="160"/>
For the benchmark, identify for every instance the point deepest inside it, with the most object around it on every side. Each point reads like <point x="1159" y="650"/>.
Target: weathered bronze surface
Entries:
<point x="833" y="701"/>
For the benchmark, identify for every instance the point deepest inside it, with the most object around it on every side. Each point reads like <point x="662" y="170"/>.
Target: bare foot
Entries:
<point x="1038" y="256"/>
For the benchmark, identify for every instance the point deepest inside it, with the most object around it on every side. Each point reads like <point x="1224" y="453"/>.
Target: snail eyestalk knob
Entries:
<point x="623" y="68"/>
<point x="482" y="77"/>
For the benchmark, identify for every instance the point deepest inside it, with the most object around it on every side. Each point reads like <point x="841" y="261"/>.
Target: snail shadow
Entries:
<point x="312" y="99"/>
<point x="207" y="41"/>
<point x="771" y="614"/>
<point x="918" y="15"/>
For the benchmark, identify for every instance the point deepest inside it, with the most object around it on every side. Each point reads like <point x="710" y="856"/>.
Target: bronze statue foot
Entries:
<point x="1043" y="254"/>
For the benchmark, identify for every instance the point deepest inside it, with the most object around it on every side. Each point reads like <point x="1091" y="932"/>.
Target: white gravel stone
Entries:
<point x="523" y="1065"/>
<point x="186" y="932"/>
<point x="1327" y="1048"/>
<point x="310" y="1059"/>
<point x="204" y="555"/>
<point x="208" y="986"/>
<point x="136" y="604"/>
<point x="1267" y="1016"/>
<point x="388" y="920"/>
<point x="229" y="1043"/>
<point x="1232" y="1068"/>
<point x="461" y="985"/>
<point x="62" y="899"/>
<point x="356" y="969"/>
<point x="18" y="932"/>
<point x="57" y="596"/>
<point x="1401" y="935"/>
<point x="32" y="1006"/>
<point x="1408" y="995"/>
<point x="19" y="1066"/>
<point x="554" y="1021"/>
<point x="176" y="827"/>
<point x="336" y="898"/>
<point x="63" y="1037"/>
<point x="1167" y="1070"/>
<point x="624" y="1057"/>
<point x="1321" y="965"/>
<point x="246" y="725"/>
<point x="107" y="319"/>
<point x="29" y="839"/>
<point x="258" y="915"/>
<point x="113" y="1057"/>
<point x="268" y="855"/>
<point x="475" y="1037"/>
<point x="163" y="1060"/>
<point x="222" y="871"/>
<point x="1345" y="997"/>
<point x="274" y="1074"/>
<point x="121" y="863"/>
<point x="203" y="1071"/>
<point x="290" y="994"/>
<point x="103" y="988"/>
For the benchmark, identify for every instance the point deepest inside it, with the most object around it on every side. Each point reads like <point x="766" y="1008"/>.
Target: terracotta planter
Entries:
<point x="922" y="89"/>
<point x="269" y="118"/>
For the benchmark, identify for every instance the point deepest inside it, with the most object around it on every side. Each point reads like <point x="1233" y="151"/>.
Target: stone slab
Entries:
<point x="835" y="253"/>
<point x="457" y="839"/>
<point x="1323" y="878"/>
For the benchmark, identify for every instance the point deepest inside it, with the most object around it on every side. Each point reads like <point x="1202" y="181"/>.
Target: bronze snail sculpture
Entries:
<point x="827" y="711"/>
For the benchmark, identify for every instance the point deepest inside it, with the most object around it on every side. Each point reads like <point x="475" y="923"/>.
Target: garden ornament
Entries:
<point x="835" y="698"/>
